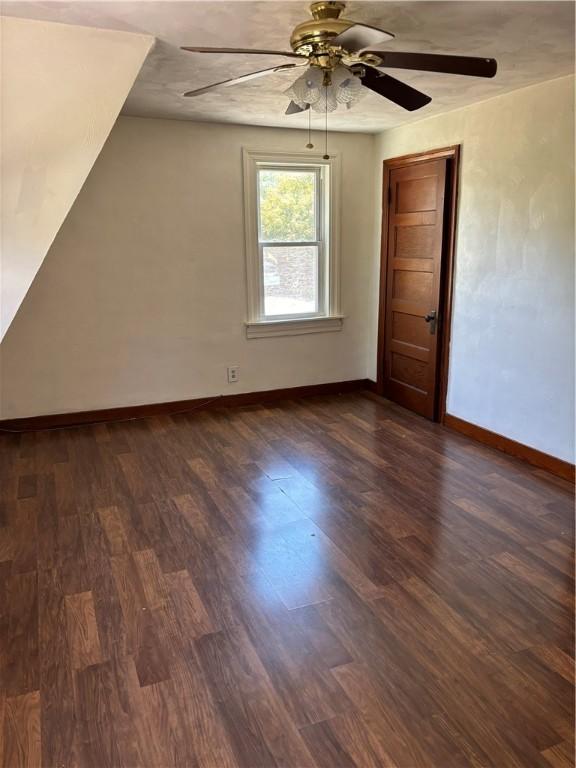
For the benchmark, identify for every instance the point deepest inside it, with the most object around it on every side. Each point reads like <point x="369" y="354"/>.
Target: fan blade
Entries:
<point x="203" y="49"/>
<point x="360" y="36"/>
<point x="432" y="62"/>
<point x="394" y="90"/>
<point x="241" y="79"/>
<point x="293" y="108"/>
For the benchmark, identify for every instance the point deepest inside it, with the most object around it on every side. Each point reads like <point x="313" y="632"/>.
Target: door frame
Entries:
<point x="452" y="156"/>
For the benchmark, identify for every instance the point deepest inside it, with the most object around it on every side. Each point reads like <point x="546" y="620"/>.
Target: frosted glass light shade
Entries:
<point x="307" y="88"/>
<point x="327" y="101"/>
<point x="347" y="86"/>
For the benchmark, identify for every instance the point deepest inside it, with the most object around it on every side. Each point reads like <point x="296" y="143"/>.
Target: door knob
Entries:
<point x="431" y="319"/>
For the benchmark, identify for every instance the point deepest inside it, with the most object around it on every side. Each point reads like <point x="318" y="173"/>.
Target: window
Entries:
<point x="291" y="240"/>
<point x="291" y="244"/>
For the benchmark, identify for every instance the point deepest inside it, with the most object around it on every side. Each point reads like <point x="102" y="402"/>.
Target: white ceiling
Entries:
<point x="532" y="42"/>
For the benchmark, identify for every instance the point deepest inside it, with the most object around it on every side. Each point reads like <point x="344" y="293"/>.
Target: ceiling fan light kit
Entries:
<point x="323" y="91"/>
<point x="341" y="64"/>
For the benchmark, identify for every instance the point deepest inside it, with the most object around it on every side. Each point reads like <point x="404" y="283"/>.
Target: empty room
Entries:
<point x="287" y="378"/>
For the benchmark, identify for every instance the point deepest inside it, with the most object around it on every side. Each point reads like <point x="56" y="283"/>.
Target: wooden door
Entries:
<point x="413" y="280"/>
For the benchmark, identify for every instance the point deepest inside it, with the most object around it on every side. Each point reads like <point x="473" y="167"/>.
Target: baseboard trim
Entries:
<point x="537" y="458"/>
<point x="124" y="413"/>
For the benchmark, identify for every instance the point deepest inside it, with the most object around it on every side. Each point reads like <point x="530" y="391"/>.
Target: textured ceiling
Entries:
<point x="532" y="41"/>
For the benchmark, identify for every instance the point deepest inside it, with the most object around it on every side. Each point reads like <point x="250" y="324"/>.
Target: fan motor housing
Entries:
<point x="317" y="33"/>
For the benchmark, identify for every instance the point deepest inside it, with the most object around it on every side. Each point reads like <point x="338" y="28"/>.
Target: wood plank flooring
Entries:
<point x="329" y="583"/>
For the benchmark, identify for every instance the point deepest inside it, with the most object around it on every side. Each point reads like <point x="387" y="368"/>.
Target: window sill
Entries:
<point x="262" y="328"/>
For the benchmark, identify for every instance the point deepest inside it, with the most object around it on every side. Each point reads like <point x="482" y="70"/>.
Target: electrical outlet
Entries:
<point x="233" y="374"/>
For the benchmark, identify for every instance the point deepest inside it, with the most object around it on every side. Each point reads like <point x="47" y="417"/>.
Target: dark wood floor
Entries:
<point x="332" y="582"/>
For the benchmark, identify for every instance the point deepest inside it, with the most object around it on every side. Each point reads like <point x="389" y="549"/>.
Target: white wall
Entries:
<point x="62" y="88"/>
<point x="142" y="299"/>
<point x="512" y="351"/>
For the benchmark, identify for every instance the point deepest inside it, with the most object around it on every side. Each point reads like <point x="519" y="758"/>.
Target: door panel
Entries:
<point x="415" y="234"/>
<point x="410" y="329"/>
<point x="412" y="285"/>
<point x="416" y="195"/>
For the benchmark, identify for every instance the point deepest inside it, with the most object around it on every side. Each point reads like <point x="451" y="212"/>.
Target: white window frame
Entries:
<point x="329" y="318"/>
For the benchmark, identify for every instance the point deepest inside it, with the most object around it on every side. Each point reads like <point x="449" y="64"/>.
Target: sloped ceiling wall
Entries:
<point x="62" y="88"/>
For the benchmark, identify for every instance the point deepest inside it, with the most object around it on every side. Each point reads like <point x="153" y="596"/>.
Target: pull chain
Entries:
<point x="326" y="155"/>
<point x="309" y="145"/>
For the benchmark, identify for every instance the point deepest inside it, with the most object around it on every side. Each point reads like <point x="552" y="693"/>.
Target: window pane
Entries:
<point x="287" y="205"/>
<point x="290" y="280"/>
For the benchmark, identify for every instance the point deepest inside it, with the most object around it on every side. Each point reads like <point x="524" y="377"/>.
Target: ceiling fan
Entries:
<point x="339" y="59"/>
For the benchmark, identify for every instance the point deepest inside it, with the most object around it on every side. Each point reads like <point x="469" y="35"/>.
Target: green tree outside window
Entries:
<point x="287" y="206"/>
